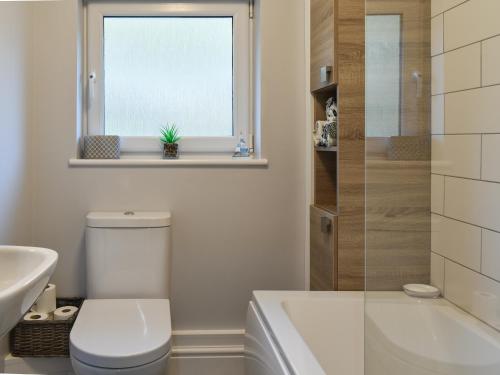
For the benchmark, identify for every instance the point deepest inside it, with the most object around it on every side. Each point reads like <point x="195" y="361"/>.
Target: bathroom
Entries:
<point x="337" y="151"/>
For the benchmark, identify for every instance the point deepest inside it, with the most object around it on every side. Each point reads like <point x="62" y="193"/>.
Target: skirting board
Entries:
<point x="208" y="342"/>
<point x="216" y="352"/>
<point x="207" y="365"/>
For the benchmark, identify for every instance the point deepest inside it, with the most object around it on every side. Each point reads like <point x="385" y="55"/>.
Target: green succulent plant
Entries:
<point x="170" y="134"/>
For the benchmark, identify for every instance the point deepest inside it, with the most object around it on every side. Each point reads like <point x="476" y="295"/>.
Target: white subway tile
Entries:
<point x="491" y="61"/>
<point x="457" y="155"/>
<point x="437" y="120"/>
<point x="462" y="68"/>
<point x="472" y="21"/>
<point x="457" y="241"/>
<point x="437" y="271"/>
<point x="472" y="201"/>
<point x="491" y="254"/>
<point x="473" y="292"/>
<point x="437" y="35"/>
<point x="439" y="6"/>
<point x="491" y="157"/>
<point x="436" y="7"/>
<point x="473" y="111"/>
<point x="437" y="193"/>
<point x="437" y="75"/>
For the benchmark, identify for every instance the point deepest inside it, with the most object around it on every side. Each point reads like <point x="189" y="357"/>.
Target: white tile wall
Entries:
<point x="462" y="68"/>
<point x="456" y="155"/>
<point x="437" y="79"/>
<point x="437" y="35"/>
<point x="473" y="111"/>
<point x="491" y="157"/>
<point x="437" y="271"/>
<point x="457" y="70"/>
<point x="491" y="61"/>
<point x="439" y="6"/>
<point x="437" y="193"/>
<point x="490" y="263"/>
<point x="473" y="201"/>
<point x="457" y="241"/>
<point x="473" y="292"/>
<point x="437" y="110"/>
<point x="470" y="22"/>
<point x="466" y="233"/>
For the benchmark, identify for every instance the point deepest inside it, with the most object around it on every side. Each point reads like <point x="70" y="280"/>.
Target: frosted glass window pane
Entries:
<point x="168" y="69"/>
<point x="383" y="76"/>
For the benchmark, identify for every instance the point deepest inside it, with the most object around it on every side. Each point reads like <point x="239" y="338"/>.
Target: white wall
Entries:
<point x="15" y="147"/>
<point x="15" y="139"/>
<point x="465" y="153"/>
<point x="234" y="229"/>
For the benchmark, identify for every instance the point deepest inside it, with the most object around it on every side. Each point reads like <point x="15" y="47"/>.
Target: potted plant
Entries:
<point x="169" y="138"/>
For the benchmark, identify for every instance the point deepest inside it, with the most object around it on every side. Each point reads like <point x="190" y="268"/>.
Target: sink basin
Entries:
<point x="24" y="273"/>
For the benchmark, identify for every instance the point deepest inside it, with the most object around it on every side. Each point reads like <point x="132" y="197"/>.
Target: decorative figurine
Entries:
<point x="325" y="132"/>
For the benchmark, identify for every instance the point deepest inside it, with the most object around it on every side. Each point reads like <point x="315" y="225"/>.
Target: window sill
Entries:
<point x="184" y="160"/>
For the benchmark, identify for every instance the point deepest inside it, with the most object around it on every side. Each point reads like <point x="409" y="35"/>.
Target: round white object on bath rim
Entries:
<point x="421" y="290"/>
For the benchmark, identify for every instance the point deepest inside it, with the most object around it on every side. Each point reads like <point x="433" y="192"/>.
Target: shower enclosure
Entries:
<point x="426" y="222"/>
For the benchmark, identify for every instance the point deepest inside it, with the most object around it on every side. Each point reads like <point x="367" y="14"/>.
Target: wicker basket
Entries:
<point x="48" y="338"/>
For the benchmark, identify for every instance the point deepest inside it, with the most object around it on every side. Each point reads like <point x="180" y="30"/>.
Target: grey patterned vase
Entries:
<point x="101" y="147"/>
<point x="170" y="151"/>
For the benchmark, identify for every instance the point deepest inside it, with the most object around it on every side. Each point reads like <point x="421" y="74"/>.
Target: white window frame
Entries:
<point x="239" y="11"/>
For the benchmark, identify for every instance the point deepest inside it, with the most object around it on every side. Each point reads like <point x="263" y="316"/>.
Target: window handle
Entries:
<point x="91" y="86"/>
<point x="417" y="77"/>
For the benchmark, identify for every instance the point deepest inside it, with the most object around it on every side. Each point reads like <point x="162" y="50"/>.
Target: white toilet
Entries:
<point x="124" y="325"/>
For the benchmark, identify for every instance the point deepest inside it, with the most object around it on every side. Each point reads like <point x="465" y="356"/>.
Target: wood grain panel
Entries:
<point x="350" y="51"/>
<point x="398" y="231"/>
<point x="398" y="226"/>
<point x="325" y="183"/>
<point x="322" y="41"/>
<point x="323" y="251"/>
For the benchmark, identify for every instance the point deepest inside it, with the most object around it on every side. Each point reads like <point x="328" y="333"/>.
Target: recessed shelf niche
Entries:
<point x="325" y="158"/>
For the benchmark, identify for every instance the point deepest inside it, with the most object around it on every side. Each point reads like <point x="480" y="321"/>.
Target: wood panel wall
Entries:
<point x="398" y="195"/>
<point x="323" y="41"/>
<point x="351" y="175"/>
<point x="323" y="265"/>
<point x="398" y="227"/>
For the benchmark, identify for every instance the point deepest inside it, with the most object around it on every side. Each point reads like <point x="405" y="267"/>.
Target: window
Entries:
<point x="152" y="64"/>
<point x="383" y="75"/>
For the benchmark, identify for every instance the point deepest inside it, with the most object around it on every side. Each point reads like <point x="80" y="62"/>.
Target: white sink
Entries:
<point x="24" y="273"/>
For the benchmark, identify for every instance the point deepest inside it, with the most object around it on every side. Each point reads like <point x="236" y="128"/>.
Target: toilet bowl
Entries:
<point x="121" y="336"/>
<point x="124" y="325"/>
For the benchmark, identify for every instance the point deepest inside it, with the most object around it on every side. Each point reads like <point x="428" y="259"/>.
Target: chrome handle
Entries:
<point x="326" y="224"/>
<point x="324" y="73"/>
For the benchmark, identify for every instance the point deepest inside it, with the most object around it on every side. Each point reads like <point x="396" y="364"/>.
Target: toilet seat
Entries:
<point x="121" y="333"/>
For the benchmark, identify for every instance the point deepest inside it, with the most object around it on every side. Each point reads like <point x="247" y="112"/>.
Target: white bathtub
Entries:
<point x="305" y="333"/>
<point x="310" y="333"/>
<point x="410" y="336"/>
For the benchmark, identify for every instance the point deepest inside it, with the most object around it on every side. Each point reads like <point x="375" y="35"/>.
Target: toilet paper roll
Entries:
<point x="65" y="312"/>
<point x="36" y="316"/>
<point x="46" y="303"/>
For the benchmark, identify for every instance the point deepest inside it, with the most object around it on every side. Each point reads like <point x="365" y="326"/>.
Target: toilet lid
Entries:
<point x="116" y="333"/>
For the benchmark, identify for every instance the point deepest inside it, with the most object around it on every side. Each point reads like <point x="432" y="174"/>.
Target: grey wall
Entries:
<point x="234" y="229"/>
